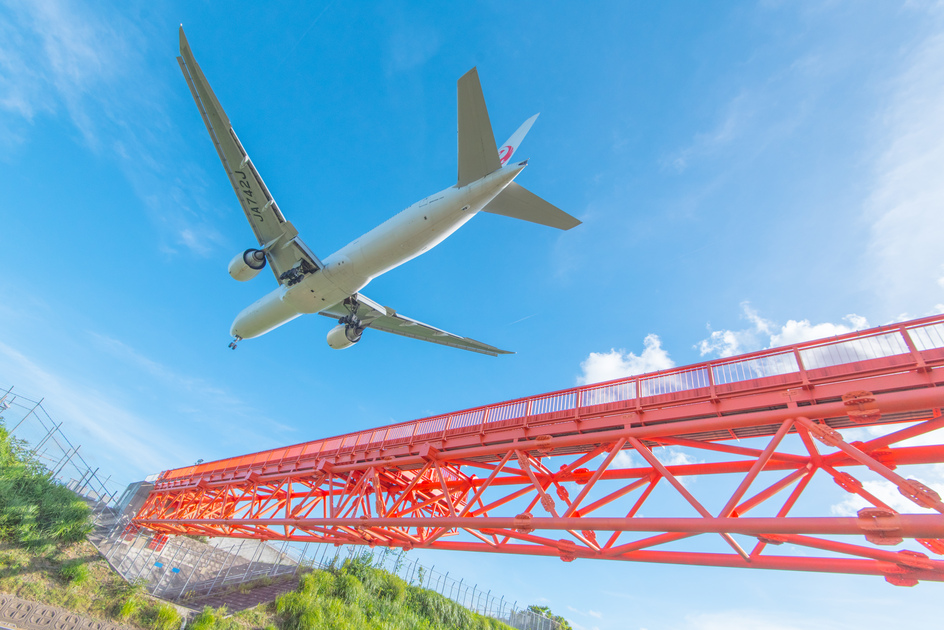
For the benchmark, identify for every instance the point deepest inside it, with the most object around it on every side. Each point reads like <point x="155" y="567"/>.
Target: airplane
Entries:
<point x="332" y="287"/>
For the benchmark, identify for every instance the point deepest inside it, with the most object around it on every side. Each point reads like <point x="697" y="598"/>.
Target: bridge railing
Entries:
<point x="910" y="344"/>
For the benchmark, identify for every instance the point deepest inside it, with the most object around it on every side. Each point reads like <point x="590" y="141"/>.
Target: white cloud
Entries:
<point x="51" y="55"/>
<point x="673" y="456"/>
<point x="61" y="58"/>
<point x="763" y="333"/>
<point x="623" y="459"/>
<point x="605" y="366"/>
<point x="135" y="444"/>
<point x="904" y="207"/>
<point x="799" y="331"/>
<point x="887" y="492"/>
<point x="727" y="343"/>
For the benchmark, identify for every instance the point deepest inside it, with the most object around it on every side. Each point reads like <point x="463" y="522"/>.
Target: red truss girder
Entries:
<point x="551" y="482"/>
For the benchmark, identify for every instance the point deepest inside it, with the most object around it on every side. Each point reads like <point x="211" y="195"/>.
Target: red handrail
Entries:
<point x="888" y="347"/>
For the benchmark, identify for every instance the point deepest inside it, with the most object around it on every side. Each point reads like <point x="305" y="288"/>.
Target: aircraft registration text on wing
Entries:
<point x="332" y="286"/>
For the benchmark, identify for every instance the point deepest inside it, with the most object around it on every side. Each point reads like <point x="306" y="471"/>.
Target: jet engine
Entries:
<point x="344" y="336"/>
<point x="247" y="265"/>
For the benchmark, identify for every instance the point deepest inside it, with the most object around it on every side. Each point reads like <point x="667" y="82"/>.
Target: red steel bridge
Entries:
<point x="608" y="471"/>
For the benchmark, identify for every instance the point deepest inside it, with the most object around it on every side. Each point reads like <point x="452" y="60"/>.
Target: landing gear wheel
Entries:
<point x="353" y="328"/>
<point x="232" y="344"/>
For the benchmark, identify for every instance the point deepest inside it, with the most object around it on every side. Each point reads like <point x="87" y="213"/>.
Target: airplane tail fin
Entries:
<point x="518" y="202"/>
<point x="478" y="155"/>
<point x="511" y="145"/>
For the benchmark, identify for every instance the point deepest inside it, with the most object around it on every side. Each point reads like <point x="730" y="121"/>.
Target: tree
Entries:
<point x="545" y="611"/>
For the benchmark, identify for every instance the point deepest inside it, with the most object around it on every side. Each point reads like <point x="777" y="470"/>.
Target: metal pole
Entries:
<point x="222" y="564"/>
<point x="68" y="459"/>
<point x="166" y="570"/>
<point x="105" y="487"/>
<point x="120" y="567"/>
<point x="150" y="555"/>
<point x="115" y="544"/>
<point x="55" y="427"/>
<point x="278" y="563"/>
<point x="79" y="491"/>
<point x="192" y="571"/>
<point x="81" y="480"/>
<point x="231" y="565"/>
<point x="26" y="416"/>
<point x="256" y="556"/>
<point x="301" y="558"/>
<point x="324" y="554"/>
<point x="137" y="536"/>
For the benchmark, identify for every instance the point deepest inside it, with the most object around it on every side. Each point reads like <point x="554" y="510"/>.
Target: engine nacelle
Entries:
<point x="344" y="336"/>
<point x="247" y="265"/>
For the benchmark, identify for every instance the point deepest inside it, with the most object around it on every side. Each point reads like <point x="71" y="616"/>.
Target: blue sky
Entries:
<point x="748" y="174"/>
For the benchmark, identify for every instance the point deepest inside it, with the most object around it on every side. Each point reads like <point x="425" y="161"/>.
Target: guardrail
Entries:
<point x="917" y="344"/>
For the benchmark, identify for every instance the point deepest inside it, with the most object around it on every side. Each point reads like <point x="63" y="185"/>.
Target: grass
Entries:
<point x="355" y="596"/>
<point x="44" y="556"/>
<point x="35" y="512"/>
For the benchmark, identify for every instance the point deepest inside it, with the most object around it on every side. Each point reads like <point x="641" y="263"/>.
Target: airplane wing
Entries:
<point x="277" y="237"/>
<point x="378" y="317"/>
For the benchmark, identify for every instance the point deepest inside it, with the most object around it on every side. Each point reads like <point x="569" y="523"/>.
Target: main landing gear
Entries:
<point x="353" y="327"/>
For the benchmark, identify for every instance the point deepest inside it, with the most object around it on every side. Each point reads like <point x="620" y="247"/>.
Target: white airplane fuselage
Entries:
<point x="401" y="238"/>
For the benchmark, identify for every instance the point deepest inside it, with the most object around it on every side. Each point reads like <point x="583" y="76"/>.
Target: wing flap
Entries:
<point x="388" y="320"/>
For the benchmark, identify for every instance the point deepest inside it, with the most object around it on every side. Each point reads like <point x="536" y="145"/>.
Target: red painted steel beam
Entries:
<point x="905" y="525"/>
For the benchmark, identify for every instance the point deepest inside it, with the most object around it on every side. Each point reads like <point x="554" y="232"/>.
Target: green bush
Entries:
<point x="440" y="609"/>
<point x="317" y="583"/>
<point x="389" y="587"/>
<point x="35" y="512"/>
<point x="348" y="588"/>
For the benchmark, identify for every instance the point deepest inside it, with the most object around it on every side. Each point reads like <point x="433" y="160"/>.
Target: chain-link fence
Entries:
<point x="189" y="570"/>
<point x="27" y="420"/>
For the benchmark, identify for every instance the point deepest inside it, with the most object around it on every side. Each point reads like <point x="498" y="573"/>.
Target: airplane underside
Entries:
<point x="332" y="287"/>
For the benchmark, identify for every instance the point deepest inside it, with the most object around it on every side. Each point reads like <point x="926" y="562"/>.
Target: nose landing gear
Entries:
<point x="236" y="339"/>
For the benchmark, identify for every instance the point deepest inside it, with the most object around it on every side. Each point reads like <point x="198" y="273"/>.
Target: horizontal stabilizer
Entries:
<point x="518" y="202"/>
<point x="478" y="155"/>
